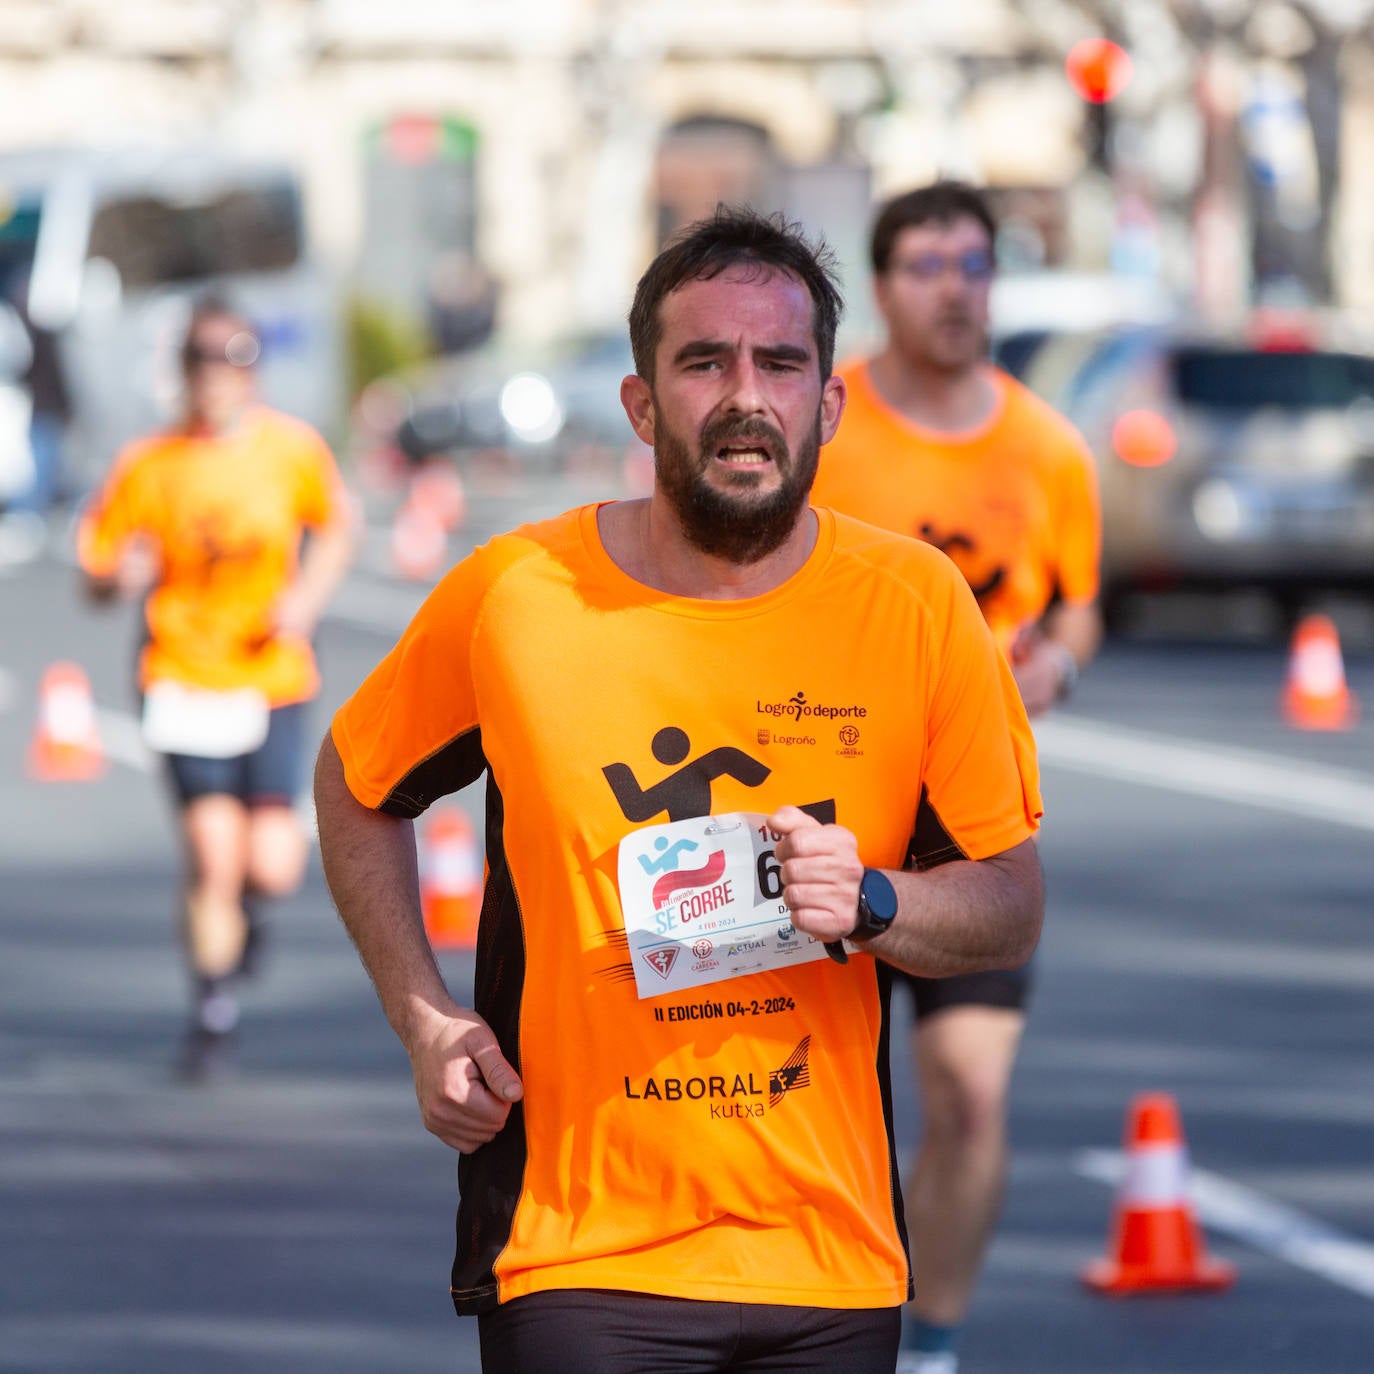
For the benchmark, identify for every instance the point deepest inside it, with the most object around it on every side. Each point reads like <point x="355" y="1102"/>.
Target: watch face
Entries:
<point x="879" y="896"/>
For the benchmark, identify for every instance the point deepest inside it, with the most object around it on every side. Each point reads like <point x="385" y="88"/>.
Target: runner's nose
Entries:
<point x="746" y="391"/>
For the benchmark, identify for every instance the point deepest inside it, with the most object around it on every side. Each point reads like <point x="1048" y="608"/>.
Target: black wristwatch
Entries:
<point x="877" y="911"/>
<point x="877" y="905"/>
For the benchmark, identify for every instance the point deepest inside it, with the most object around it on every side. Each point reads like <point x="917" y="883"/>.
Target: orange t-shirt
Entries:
<point x="225" y="516"/>
<point x="1013" y="503"/>
<point x="731" y="1142"/>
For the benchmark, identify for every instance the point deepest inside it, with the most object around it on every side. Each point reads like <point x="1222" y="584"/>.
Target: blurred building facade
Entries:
<point x="454" y="152"/>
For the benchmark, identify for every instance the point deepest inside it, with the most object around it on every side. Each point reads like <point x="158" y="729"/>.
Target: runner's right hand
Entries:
<point x="139" y="569"/>
<point x="463" y="1083"/>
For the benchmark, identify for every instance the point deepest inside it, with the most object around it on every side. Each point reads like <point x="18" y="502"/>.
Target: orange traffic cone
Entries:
<point x="66" y="743"/>
<point x="418" y="543"/>
<point x="451" y="881"/>
<point x="1315" y="696"/>
<point x="438" y="489"/>
<point x="1155" y="1243"/>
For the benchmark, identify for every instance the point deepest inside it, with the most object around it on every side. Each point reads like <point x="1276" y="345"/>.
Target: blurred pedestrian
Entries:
<point x="208" y="518"/>
<point x="938" y="443"/>
<point x="672" y="1106"/>
<point x="50" y="399"/>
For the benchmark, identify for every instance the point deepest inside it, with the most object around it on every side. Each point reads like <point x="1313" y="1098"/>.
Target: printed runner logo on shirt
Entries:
<point x="687" y="792"/>
<point x="961" y="547"/>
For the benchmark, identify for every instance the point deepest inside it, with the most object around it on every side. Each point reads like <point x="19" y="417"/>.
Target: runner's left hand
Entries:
<point x="294" y="617"/>
<point x="821" y="872"/>
<point x="1037" y="667"/>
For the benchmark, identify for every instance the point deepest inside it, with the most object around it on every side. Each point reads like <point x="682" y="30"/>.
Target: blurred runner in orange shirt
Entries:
<point x="939" y="444"/>
<point x="212" y="513"/>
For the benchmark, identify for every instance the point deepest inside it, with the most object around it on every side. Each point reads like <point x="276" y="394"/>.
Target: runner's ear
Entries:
<point x="638" y="400"/>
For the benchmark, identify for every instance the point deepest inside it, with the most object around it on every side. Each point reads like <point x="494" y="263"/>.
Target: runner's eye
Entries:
<point x="976" y="265"/>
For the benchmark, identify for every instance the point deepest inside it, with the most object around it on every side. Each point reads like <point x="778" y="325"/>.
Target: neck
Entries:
<point x="198" y="423"/>
<point x="935" y="398"/>
<point x="645" y="541"/>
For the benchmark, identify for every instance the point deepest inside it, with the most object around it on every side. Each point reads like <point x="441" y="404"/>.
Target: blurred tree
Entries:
<point x="382" y="339"/>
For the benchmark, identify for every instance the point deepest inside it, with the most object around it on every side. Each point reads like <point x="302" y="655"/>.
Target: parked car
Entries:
<point x="533" y="403"/>
<point x="1223" y="461"/>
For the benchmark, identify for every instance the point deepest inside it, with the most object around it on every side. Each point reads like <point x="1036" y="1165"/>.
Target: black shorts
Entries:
<point x="269" y="776"/>
<point x="592" y="1331"/>
<point x="1008" y="988"/>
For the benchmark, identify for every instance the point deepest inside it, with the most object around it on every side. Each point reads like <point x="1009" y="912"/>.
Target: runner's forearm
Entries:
<point x="1078" y="628"/>
<point x="369" y="862"/>
<point x="327" y="555"/>
<point x="966" y="916"/>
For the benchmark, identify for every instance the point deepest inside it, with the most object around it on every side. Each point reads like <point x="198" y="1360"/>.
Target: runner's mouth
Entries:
<point x="743" y="455"/>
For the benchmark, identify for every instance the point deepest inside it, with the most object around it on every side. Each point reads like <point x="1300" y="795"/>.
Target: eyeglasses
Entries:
<point x="974" y="266"/>
<point x="241" y="350"/>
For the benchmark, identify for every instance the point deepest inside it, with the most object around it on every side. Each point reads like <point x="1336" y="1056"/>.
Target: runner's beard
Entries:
<point x="732" y="523"/>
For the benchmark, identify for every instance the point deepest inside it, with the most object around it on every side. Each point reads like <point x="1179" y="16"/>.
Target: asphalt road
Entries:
<point x="1207" y="938"/>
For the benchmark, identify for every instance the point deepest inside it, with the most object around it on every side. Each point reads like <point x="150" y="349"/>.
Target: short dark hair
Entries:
<point x="942" y="202"/>
<point x="214" y="305"/>
<point x="735" y="235"/>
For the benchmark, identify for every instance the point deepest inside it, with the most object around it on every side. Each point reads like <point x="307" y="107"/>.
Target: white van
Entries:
<point x="118" y="244"/>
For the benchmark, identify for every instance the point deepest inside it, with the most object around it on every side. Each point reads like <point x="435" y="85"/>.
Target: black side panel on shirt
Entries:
<point x="448" y="769"/>
<point x="931" y="844"/>
<point x="490" y="1180"/>
<point x="884" y="1067"/>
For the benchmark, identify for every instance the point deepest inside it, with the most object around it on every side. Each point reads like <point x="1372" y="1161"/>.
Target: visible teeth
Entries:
<point x="745" y="455"/>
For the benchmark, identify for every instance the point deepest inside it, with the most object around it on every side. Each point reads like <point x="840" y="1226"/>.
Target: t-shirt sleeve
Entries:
<point x="980" y="790"/>
<point x="116" y="515"/>
<point x="410" y="734"/>
<point x="1078" y="526"/>
<point x="320" y="491"/>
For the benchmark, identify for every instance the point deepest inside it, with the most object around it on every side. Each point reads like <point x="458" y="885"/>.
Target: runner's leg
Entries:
<point x="964" y="1057"/>
<point x="277" y="848"/>
<point x="276" y="851"/>
<point x="215" y="831"/>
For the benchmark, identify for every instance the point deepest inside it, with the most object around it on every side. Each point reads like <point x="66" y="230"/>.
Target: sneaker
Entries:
<point x="206" y="1055"/>
<point x="923" y="1362"/>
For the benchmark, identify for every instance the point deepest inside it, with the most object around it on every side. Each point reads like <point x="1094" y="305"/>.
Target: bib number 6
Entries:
<point x="770" y="876"/>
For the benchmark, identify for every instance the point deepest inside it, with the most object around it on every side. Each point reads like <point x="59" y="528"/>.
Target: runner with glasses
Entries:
<point x="939" y="444"/>
<point x="207" y="518"/>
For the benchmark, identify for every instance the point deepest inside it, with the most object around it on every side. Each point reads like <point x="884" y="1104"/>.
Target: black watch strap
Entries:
<point x="877" y="909"/>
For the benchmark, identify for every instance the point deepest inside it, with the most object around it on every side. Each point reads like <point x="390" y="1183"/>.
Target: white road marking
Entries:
<point x="1249" y="1216"/>
<point x="1245" y="777"/>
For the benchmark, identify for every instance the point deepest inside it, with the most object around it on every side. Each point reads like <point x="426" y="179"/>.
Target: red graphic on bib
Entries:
<point x="704" y="876"/>
<point x="662" y="960"/>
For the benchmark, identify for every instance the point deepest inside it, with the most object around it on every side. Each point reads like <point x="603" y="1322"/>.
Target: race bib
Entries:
<point x="192" y="720"/>
<point x="702" y="901"/>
